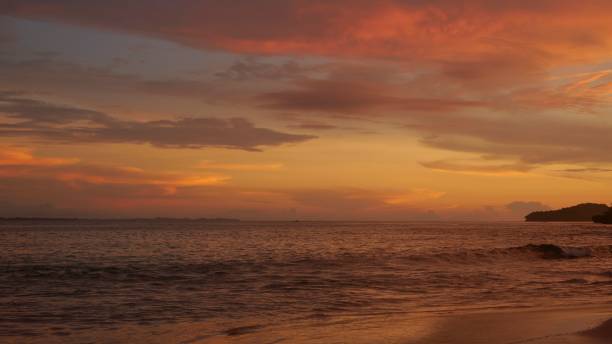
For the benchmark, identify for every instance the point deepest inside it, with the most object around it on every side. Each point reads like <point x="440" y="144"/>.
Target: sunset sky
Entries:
<point x="304" y="109"/>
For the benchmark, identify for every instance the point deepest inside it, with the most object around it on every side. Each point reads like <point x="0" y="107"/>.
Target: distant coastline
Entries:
<point x="150" y="219"/>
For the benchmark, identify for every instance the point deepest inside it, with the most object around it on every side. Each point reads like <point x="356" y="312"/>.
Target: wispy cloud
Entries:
<point x="250" y="68"/>
<point x="25" y="117"/>
<point x="24" y="157"/>
<point x="212" y="165"/>
<point x="477" y="167"/>
<point x="22" y="164"/>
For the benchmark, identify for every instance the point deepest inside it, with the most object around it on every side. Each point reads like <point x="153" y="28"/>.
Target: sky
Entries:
<point x="304" y="109"/>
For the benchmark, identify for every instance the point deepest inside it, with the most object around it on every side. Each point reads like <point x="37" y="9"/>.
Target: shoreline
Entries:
<point x="589" y="324"/>
<point x="570" y="325"/>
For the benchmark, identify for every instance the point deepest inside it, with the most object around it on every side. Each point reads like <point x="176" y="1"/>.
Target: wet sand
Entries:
<point x="588" y="325"/>
<point x="583" y="325"/>
<point x="559" y="326"/>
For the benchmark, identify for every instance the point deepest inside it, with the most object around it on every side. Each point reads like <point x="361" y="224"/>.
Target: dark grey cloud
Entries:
<point x="44" y="121"/>
<point x="252" y="69"/>
<point x="37" y="113"/>
<point x="326" y="122"/>
<point x="5" y="38"/>
<point x="494" y="71"/>
<point x="471" y="167"/>
<point x="595" y="174"/>
<point x="48" y="72"/>
<point x="586" y="170"/>
<point x="313" y="125"/>
<point x="531" y="138"/>
<point x="271" y="19"/>
<point x="347" y="96"/>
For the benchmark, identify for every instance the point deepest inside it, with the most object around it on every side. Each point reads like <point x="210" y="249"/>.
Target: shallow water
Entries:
<point x="61" y="280"/>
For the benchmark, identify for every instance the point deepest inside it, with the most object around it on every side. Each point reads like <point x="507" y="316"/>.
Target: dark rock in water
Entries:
<point x="580" y="212"/>
<point x="604" y="218"/>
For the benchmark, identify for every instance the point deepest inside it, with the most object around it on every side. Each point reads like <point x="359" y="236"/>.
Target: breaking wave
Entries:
<point x="528" y="252"/>
<point x="550" y="251"/>
<point x="243" y="278"/>
<point x="211" y="270"/>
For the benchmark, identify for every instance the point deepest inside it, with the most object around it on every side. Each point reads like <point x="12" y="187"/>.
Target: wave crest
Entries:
<point x="527" y="252"/>
<point x="550" y="251"/>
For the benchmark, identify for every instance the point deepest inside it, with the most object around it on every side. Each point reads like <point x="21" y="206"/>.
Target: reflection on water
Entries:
<point x="59" y="279"/>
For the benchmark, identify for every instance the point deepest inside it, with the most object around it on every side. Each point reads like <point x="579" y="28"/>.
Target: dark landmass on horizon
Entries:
<point x="585" y="212"/>
<point x="155" y="219"/>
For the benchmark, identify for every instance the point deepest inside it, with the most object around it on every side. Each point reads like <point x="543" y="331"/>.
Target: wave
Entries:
<point x="525" y="252"/>
<point x="606" y="274"/>
<point x="550" y="251"/>
<point x="223" y="270"/>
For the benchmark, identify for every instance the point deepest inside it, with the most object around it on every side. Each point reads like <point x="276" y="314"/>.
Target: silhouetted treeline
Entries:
<point x="581" y="212"/>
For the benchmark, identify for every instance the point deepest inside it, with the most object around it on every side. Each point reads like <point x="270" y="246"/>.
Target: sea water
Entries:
<point x="197" y="281"/>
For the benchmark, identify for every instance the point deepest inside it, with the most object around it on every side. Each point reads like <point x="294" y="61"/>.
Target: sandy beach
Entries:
<point x="575" y="325"/>
<point x="571" y="325"/>
<point x="582" y="325"/>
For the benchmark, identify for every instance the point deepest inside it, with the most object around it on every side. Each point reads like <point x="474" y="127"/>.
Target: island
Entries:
<point x="605" y="218"/>
<point x="584" y="212"/>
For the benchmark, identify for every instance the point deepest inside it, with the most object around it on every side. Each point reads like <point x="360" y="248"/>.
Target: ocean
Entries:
<point x="169" y="281"/>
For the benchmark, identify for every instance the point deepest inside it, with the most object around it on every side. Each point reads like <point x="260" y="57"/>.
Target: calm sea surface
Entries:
<point x="60" y="281"/>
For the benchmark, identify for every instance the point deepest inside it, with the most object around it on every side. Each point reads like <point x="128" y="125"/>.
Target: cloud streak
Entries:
<point x="536" y="139"/>
<point x="479" y="168"/>
<point x="212" y="165"/>
<point x="22" y="164"/>
<point x="31" y="118"/>
<point x="353" y="97"/>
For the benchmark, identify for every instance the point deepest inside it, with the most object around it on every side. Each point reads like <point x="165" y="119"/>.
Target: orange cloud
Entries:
<point x="442" y="29"/>
<point x="24" y="157"/>
<point x="23" y="164"/>
<point x="478" y="168"/>
<point x="239" y="167"/>
<point x="414" y="196"/>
